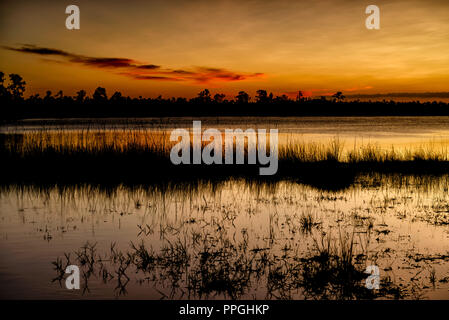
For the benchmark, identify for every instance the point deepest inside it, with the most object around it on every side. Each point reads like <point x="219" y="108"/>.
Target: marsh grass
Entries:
<point x="116" y="142"/>
<point x="139" y="156"/>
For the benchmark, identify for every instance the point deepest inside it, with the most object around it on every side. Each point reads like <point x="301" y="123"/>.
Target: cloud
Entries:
<point x="149" y="77"/>
<point x="148" y="66"/>
<point x="29" y="48"/>
<point x="86" y="60"/>
<point x="403" y="95"/>
<point x="105" y="62"/>
<point x="137" y="70"/>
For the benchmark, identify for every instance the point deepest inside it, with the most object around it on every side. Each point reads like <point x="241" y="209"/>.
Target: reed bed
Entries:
<point x="143" y="157"/>
<point x="157" y="142"/>
<point x="334" y="150"/>
<point x="85" y="141"/>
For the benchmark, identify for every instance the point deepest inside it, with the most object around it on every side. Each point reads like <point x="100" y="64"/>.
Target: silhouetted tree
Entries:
<point x="100" y="95"/>
<point x="338" y="96"/>
<point x="4" y="94"/>
<point x="16" y="86"/>
<point x="242" y="97"/>
<point x="34" y="97"/>
<point x="116" y="96"/>
<point x="300" y="96"/>
<point x="80" y="95"/>
<point x="204" y="96"/>
<point x="261" y="96"/>
<point x="219" y="97"/>
<point x="282" y="98"/>
<point x="48" y="96"/>
<point x="59" y="95"/>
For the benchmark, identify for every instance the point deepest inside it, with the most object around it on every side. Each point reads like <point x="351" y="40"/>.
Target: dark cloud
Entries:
<point x="402" y="95"/>
<point x="184" y="72"/>
<point x="43" y="51"/>
<point x="98" y="62"/>
<point x="137" y="70"/>
<point x="205" y="74"/>
<point x="28" y="48"/>
<point x="105" y="62"/>
<point x="148" y="66"/>
<point x="144" y="77"/>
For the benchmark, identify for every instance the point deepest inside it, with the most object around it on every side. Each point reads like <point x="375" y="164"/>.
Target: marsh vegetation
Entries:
<point x="238" y="239"/>
<point x="143" y="157"/>
<point x="111" y="202"/>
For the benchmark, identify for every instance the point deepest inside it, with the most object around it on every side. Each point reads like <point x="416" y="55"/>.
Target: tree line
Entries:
<point x="15" y="106"/>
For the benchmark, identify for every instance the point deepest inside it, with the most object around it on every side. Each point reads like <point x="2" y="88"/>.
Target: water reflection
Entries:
<point x="230" y="239"/>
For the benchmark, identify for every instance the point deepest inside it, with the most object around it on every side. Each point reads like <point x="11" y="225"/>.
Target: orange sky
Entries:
<point x="177" y="48"/>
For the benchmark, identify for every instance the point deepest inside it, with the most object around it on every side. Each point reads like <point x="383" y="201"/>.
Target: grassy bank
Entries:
<point x="142" y="157"/>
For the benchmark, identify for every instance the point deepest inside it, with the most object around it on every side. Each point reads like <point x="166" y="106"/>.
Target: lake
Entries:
<point x="234" y="238"/>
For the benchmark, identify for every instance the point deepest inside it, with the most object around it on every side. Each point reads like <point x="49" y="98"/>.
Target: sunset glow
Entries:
<point x="176" y="48"/>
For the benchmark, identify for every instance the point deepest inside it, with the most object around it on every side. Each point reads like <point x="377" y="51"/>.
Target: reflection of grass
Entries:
<point x="332" y="271"/>
<point x="210" y="254"/>
<point x="139" y="156"/>
<point x="216" y="265"/>
<point x="307" y="221"/>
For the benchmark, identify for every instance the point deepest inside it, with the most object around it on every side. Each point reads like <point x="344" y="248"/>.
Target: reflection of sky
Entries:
<point x="76" y="215"/>
<point x="385" y="131"/>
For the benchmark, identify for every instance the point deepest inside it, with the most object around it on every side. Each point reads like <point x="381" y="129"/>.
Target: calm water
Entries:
<point x="384" y="130"/>
<point x="233" y="239"/>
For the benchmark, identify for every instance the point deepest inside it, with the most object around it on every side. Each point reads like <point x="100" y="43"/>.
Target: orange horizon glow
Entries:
<point x="177" y="48"/>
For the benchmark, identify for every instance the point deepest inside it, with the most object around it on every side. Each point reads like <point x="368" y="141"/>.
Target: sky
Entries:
<point x="177" y="48"/>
